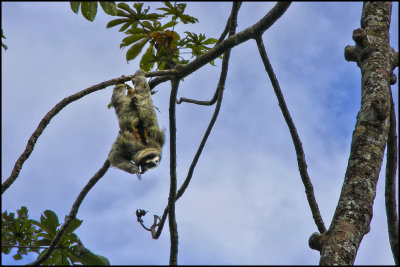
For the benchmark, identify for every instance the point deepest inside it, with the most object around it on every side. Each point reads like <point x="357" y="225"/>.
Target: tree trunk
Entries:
<point x="354" y="211"/>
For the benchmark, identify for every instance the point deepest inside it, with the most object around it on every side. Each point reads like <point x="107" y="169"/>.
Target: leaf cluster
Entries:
<point x="89" y="8"/>
<point x="32" y="236"/>
<point x="19" y="232"/>
<point x="154" y="30"/>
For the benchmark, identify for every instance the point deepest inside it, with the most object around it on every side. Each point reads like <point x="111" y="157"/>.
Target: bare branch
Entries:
<point x="390" y="186"/>
<point x="173" y="229"/>
<point x="301" y="161"/>
<point x="74" y="210"/>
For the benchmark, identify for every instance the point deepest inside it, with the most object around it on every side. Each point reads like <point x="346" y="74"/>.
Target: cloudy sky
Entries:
<point x="246" y="203"/>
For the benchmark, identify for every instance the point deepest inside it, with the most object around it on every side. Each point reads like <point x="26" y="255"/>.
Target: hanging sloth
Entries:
<point x="139" y="141"/>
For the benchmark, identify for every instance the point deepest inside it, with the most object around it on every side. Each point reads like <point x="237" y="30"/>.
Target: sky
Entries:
<point x="246" y="202"/>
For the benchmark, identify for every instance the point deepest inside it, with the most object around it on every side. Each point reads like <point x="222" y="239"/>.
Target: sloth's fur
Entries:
<point x="139" y="141"/>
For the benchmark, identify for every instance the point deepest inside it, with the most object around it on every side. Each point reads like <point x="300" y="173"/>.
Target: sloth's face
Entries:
<point x="149" y="162"/>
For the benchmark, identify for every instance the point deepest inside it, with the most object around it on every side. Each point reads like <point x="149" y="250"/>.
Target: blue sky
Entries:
<point x="246" y="203"/>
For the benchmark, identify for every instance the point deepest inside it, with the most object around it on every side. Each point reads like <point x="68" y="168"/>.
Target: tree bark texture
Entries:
<point x="354" y="210"/>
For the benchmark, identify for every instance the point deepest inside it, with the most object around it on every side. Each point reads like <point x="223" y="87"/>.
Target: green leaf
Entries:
<point x="135" y="49"/>
<point x="126" y="7"/>
<point x="56" y="258"/>
<point x="153" y="16"/>
<point x="75" y="6"/>
<point x="138" y="7"/>
<point x="163" y="8"/>
<point x="147" y="25"/>
<point x="73" y="225"/>
<point x="109" y="8"/>
<point x="122" y="13"/>
<point x="145" y="63"/>
<point x="116" y="22"/>
<point x="132" y="39"/>
<point x="168" y="4"/>
<point x="136" y="31"/>
<point x="89" y="10"/>
<point x="169" y="25"/>
<point x="49" y="222"/>
<point x="125" y="26"/>
<point x="93" y="259"/>
<point x="188" y="19"/>
<point x="210" y="41"/>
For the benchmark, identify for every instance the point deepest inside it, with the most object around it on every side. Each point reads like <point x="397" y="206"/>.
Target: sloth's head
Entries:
<point x="150" y="161"/>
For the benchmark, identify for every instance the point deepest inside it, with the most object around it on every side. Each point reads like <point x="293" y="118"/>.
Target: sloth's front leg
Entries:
<point x="117" y="160"/>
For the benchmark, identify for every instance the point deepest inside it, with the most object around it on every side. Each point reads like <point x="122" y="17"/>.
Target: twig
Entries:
<point x="390" y="186"/>
<point x="173" y="229"/>
<point x="200" y="102"/>
<point x="295" y="137"/>
<point x="74" y="210"/>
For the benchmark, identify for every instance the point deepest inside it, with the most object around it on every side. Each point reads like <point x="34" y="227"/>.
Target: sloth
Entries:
<point x="139" y="141"/>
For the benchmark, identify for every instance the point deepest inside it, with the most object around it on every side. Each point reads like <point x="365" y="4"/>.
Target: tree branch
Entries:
<point x="390" y="186"/>
<point x="74" y="210"/>
<point x="301" y="161"/>
<point x="353" y="213"/>
<point x="173" y="229"/>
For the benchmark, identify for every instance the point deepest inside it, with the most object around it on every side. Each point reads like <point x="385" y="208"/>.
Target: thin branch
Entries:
<point x="295" y="137"/>
<point x="173" y="229"/>
<point x="74" y="210"/>
<point x="201" y="102"/>
<point x="390" y="186"/>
